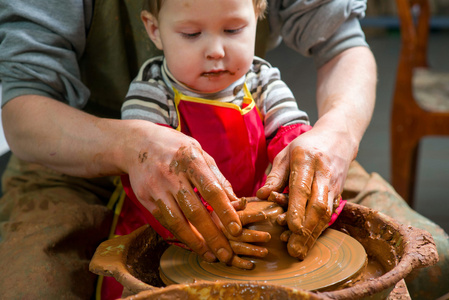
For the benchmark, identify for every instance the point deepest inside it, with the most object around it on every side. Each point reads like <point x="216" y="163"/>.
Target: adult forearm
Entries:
<point x="346" y="91"/>
<point x="164" y="167"/>
<point x="45" y="131"/>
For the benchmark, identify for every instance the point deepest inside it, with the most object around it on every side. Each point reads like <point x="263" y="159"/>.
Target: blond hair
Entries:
<point x="154" y="6"/>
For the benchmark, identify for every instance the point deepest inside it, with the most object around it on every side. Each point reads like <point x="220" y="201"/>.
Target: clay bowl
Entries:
<point x="134" y="261"/>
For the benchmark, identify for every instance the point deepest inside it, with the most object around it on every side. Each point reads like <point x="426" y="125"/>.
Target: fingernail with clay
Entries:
<point x="297" y="251"/>
<point x="209" y="256"/>
<point x="234" y="228"/>
<point x="261" y="193"/>
<point x="223" y="255"/>
<point x="282" y="219"/>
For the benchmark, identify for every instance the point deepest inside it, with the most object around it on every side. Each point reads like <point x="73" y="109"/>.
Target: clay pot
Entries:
<point x="134" y="259"/>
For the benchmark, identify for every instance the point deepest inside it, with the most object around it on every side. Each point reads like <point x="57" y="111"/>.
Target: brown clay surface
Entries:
<point x="227" y="290"/>
<point x="393" y="250"/>
<point x="335" y="259"/>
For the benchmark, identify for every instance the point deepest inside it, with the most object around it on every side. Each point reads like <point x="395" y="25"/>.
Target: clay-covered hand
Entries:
<point x="242" y="245"/>
<point x="163" y="175"/>
<point x="315" y="177"/>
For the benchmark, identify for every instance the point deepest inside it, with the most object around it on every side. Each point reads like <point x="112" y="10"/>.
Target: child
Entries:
<point x="210" y="86"/>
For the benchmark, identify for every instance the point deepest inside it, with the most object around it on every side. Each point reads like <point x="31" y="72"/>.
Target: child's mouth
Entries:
<point x="214" y="74"/>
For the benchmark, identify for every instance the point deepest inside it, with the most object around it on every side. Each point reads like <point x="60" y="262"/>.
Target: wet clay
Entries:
<point x="395" y="248"/>
<point x="330" y="266"/>
<point x="226" y="290"/>
<point x="336" y="260"/>
<point x="278" y="257"/>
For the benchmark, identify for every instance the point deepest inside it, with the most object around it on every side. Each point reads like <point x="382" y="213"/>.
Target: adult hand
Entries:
<point x="315" y="164"/>
<point x="67" y="140"/>
<point x="315" y="175"/>
<point x="163" y="174"/>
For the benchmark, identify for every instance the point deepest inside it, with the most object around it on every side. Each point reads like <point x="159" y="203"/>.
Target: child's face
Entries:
<point x="208" y="44"/>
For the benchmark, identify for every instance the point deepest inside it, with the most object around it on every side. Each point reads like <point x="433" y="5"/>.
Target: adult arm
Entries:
<point x="320" y="158"/>
<point x="315" y="164"/>
<point x="42" y="130"/>
<point x="39" y="50"/>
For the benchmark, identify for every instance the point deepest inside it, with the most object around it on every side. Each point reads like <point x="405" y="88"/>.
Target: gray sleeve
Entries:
<point x="40" y="45"/>
<point x="317" y="28"/>
<point x="148" y="97"/>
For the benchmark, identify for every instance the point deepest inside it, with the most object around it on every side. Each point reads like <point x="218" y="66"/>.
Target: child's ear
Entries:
<point x="152" y="27"/>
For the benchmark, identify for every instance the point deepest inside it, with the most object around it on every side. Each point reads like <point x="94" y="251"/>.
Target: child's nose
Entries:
<point x="215" y="49"/>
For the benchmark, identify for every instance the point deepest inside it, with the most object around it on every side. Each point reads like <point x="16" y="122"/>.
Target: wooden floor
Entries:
<point x="432" y="189"/>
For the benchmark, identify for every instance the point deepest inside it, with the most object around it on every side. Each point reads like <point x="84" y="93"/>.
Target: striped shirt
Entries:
<point x="151" y="97"/>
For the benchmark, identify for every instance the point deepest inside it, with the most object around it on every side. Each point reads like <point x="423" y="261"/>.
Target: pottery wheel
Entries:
<point x="335" y="258"/>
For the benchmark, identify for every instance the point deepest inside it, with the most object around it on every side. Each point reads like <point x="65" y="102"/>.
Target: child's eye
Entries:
<point x="190" y="35"/>
<point x="233" y="31"/>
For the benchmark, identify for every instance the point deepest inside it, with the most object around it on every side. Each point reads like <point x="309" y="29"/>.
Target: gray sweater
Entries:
<point x="41" y="42"/>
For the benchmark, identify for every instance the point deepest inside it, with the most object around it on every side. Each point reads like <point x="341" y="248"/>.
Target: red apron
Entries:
<point x="232" y="135"/>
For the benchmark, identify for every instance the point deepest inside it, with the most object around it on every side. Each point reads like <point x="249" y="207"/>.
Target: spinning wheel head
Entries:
<point x="335" y="259"/>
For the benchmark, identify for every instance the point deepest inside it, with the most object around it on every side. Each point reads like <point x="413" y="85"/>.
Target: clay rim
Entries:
<point x="417" y="250"/>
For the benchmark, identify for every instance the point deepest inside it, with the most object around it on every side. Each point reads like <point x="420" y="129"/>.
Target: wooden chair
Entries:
<point x="421" y="97"/>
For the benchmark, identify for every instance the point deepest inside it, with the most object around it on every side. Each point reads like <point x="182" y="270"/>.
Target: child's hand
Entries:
<point x="254" y="213"/>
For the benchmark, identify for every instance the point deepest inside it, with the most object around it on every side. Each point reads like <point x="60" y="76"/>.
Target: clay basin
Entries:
<point x="392" y="248"/>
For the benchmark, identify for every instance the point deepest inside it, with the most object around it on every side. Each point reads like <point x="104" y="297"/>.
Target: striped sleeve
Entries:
<point x="274" y="99"/>
<point x="148" y="98"/>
